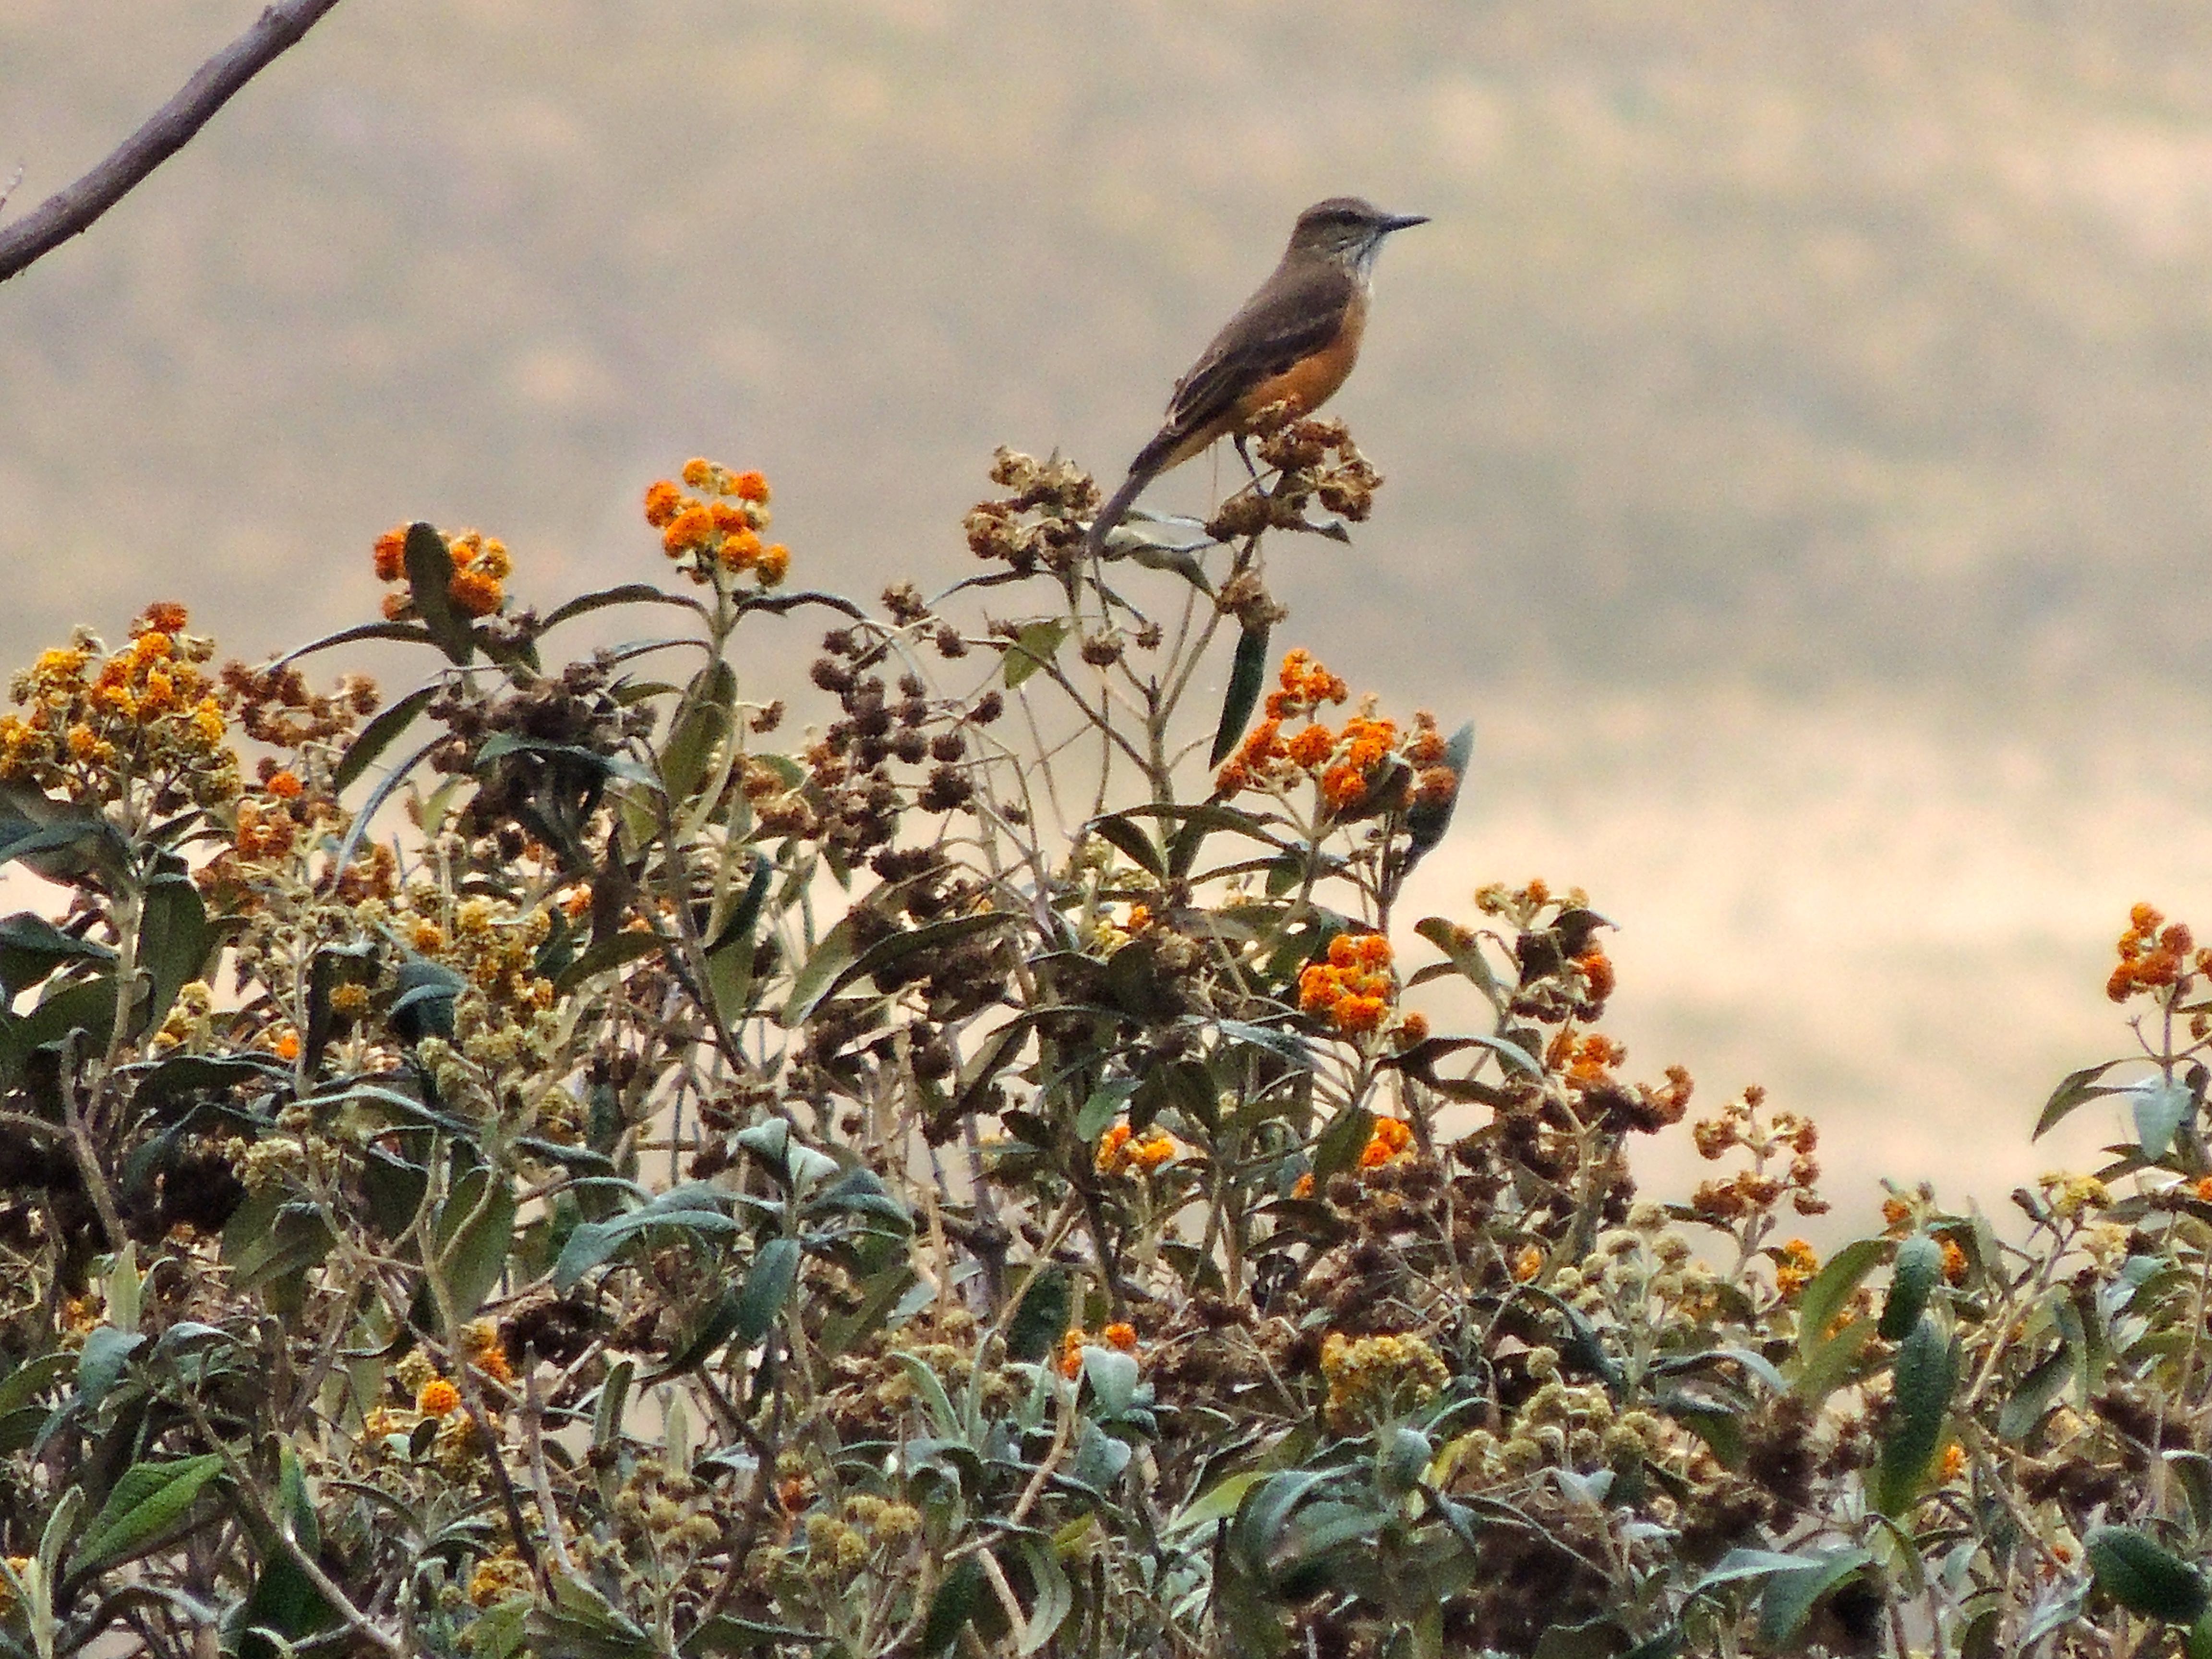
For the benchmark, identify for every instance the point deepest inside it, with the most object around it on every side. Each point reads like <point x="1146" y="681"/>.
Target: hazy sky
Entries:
<point x="1794" y="418"/>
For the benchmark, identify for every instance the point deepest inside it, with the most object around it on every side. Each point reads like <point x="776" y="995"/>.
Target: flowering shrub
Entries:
<point x="549" y="1161"/>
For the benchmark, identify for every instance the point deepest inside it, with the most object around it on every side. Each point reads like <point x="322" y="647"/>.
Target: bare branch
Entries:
<point x="170" y="128"/>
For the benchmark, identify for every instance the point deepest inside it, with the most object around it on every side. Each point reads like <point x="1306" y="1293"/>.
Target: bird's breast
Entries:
<point x="1309" y="383"/>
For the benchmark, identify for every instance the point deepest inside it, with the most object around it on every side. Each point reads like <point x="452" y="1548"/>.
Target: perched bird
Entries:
<point x="1293" y="342"/>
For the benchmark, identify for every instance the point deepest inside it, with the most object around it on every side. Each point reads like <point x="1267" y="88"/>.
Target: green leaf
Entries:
<point x="1266" y="1510"/>
<point x="1462" y="948"/>
<point x="2162" y="1105"/>
<point x="1197" y="824"/>
<point x="1217" y="1503"/>
<point x="626" y="594"/>
<point x="1123" y="833"/>
<point x="84" y="1005"/>
<point x="726" y="1633"/>
<point x="2024" y="1407"/>
<point x="1919" y="1265"/>
<point x="602" y="956"/>
<point x="693" y="1208"/>
<point x="1832" y="1287"/>
<point x="284" y="1601"/>
<point x="737" y="928"/>
<point x="429" y="576"/>
<point x="31" y="947"/>
<point x="1790" y="1596"/>
<point x="146" y="1502"/>
<point x="821" y="973"/>
<point x="62" y="842"/>
<point x="1742" y="1564"/>
<point x="386" y="787"/>
<point x="2144" y="1577"/>
<point x="475" y="1231"/>
<point x="380" y="734"/>
<point x="2078" y="1089"/>
<point x="22" y="1386"/>
<point x="581" y="1624"/>
<point x="1248" y="675"/>
<point x="1341" y="1143"/>
<point x="1032" y="648"/>
<point x="929" y="1389"/>
<point x="1107" y="1103"/>
<point x="1041" y="1315"/>
<point x="614" y="1397"/>
<point x="959" y="1595"/>
<point x="1926" y="1371"/>
<point x="101" y="1362"/>
<point x="1054" y="1596"/>
<point x="767" y="1287"/>
<point x="704" y="722"/>
<point x="708" y="1335"/>
<point x="407" y="633"/>
<point x="1113" y="1378"/>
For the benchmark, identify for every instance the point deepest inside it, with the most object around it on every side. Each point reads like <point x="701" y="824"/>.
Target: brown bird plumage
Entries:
<point x="1293" y="343"/>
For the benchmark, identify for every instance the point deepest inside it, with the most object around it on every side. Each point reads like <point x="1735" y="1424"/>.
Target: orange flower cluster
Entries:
<point x="1795" y="1264"/>
<point x="488" y="1353"/>
<point x="1586" y="1061"/>
<point x="1120" y="1335"/>
<point x="1353" y="989"/>
<point x="146" y="712"/>
<point x="438" y="1396"/>
<point x="1347" y="764"/>
<point x="2153" y="957"/>
<point x="1391" y="1137"/>
<point x="719" y="527"/>
<point x="477" y="586"/>
<point x="1954" y="1261"/>
<point x="1119" y="1152"/>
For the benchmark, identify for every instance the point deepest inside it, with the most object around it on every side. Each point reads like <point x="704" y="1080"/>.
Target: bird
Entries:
<point x="1292" y="343"/>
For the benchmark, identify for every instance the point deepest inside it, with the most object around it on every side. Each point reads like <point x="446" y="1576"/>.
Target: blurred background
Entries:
<point x="1795" y="417"/>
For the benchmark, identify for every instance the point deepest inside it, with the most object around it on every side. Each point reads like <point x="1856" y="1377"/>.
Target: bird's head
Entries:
<point x="1346" y="228"/>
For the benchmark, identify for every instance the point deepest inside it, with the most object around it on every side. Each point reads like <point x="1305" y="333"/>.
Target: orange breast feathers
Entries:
<point x="1310" y="382"/>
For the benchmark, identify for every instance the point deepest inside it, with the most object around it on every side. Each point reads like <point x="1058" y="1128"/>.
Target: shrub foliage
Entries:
<point x="554" y="1163"/>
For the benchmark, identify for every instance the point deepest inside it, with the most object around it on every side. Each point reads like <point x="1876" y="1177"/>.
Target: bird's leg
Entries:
<point x="1245" y="456"/>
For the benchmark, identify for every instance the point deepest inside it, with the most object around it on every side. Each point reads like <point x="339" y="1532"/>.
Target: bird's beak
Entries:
<point x="1402" y="222"/>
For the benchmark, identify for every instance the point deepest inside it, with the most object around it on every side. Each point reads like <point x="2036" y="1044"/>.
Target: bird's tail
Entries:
<point x="1116" y="509"/>
<point x="1152" y="461"/>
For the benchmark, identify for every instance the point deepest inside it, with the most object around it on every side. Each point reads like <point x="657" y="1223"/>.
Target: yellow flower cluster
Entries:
<point x="719" y="526"/>
<point x="1119" y="1152"/>
<point x="1374" y="1377"/>
<point x="498" y="1577"/>
<point x="495" y="946"/>
<point x="96" y="723"/>
<point x="476" y="587"/>
<point x="2072" y="1194"/>
<point x="1795" y="1264"/>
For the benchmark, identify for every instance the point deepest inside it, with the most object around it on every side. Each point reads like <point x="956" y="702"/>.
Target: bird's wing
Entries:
<point x="1282" y="325"/>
